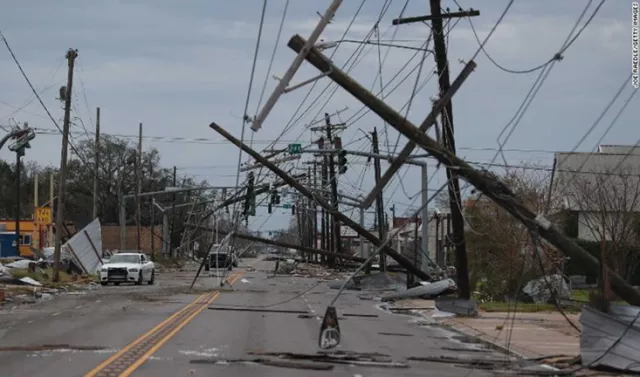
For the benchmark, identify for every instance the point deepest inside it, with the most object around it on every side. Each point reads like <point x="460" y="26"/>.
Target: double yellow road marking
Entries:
<point x="131" y="357"/>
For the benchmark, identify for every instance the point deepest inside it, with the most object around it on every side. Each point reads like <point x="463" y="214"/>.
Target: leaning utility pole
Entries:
<point x="444" y="82"/>
<point x="302" y="189"/>
<point x="62" y="181"/>
<point x="97" y="165"/>
<point x="483" y="181"/>
<point x="139" y="187"/>
<point x="335" y="224"/>
<point x="379" y="199"/>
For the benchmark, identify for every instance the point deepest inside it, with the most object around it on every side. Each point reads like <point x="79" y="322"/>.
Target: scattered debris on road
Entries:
<point x="268" y="362"/>
<point x="360" y="315"/>
<point x="245" y="309"/>
<point x="49" y="347"/>
<point x="339" y="357"/>
<point x="394" y="334"/>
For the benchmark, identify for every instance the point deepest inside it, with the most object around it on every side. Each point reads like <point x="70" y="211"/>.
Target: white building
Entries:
<point x="600" y="189"/>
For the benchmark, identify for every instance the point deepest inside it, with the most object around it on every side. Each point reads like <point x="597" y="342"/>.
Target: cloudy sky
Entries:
<point x="177" y="66"/>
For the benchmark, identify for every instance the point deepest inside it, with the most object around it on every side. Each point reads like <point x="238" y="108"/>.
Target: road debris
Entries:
<point x="340" y="357"/>
<point x="49" y="347"/>
<point x="360" y="315"/>
<point x="394" y="334"/>
<point x="268" y="362"/>
<point x="425" y="291"/>
<point x="245" y="309"/>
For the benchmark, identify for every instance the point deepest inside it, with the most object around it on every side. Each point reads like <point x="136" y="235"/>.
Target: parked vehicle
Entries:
<point x="220" y="257"/>
<point x="128" y="267"/>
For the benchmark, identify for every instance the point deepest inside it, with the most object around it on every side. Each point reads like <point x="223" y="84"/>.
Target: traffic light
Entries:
<point x="293" y="209"/>
<point x="342" y="156"/>
<point x="342" y="161"/>
<point x="269" y="208"/>
<point x="250" y="200"/>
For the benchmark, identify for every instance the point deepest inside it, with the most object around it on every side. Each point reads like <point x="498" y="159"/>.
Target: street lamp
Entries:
<point x="22" y="137"/>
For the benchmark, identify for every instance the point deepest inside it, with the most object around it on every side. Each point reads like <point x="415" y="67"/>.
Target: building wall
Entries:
<point x="590" y="226"/>
<point x="111" y="238"/>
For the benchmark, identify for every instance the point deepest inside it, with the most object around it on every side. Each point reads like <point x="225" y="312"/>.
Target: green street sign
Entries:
<point x="294" y="148"/>
<point x="286" y="206"/>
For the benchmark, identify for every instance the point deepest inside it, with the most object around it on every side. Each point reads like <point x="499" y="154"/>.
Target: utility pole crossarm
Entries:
<point x="321" y="62"/>
<point x="404" y="262"/>
<point x="485" y="183"/>
<point x="410" y="20"/>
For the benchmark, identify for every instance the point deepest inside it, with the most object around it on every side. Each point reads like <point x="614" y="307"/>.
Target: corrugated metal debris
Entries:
<point x="611" y="339"/>
<point x="85" y="248"/>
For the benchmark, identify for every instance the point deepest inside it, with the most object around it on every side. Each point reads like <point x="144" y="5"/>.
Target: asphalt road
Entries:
<point x="163" y="330"/>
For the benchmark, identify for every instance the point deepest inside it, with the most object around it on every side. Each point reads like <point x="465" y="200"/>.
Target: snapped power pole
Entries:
<point x="404" y="262"/>
<point x="455" y="199"/>
<point x="483" y="181"/>
<point x="62" y="180"/>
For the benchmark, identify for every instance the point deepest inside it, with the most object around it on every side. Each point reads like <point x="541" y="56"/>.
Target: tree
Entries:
<point x="607" y="206"/>
<point x="500" y="247"/>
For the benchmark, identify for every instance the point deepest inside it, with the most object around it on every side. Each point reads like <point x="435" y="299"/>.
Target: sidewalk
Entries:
<point x="529" y="334"/>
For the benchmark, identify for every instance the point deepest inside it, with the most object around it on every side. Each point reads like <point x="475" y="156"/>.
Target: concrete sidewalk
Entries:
<point x="530" y="335"/>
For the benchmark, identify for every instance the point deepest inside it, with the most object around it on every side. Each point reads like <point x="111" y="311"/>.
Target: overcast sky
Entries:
<point x="177" y="66"/>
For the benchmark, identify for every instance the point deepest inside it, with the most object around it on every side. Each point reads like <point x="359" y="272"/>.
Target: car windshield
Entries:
<point x="120" y="258"/>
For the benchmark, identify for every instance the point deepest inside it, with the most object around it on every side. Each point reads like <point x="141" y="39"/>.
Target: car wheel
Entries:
<point x="103" y="283"/>
<point x="153" y="277"/>
<point x="139" y="282"/>
<point x="116" y="283"/>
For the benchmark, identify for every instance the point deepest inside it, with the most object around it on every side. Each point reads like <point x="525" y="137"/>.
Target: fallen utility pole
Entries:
<point x="266" y="241"/>
<point x="405" y="153"/>
<point x="304" y="249"/>
<point x="483" y="181"/>
<point x="455" y="199"/>
<point x="404" y="262"/>
<point x="62" y="180"/>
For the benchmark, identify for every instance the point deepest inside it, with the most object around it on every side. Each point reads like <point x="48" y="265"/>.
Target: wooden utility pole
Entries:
<point x="62" y="180"/>
<point x="335" y="206"/>
<point x="152" y="216"/>
<point x="486" y="183"/>
<point x="379" y="199"/>
<point x="302" y="189"/>
<point x="324" y="217"/>
<point x="444" y="82"/>
<point x="50" y="235"/>
<point x="97" y="165"/>
<point x="139" y="187"/>
<point x="455" y="200"/>
<point x="173" y="212"/>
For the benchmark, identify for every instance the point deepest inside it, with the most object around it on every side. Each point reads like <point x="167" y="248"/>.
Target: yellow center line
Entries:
<point x="208" y="298"/>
